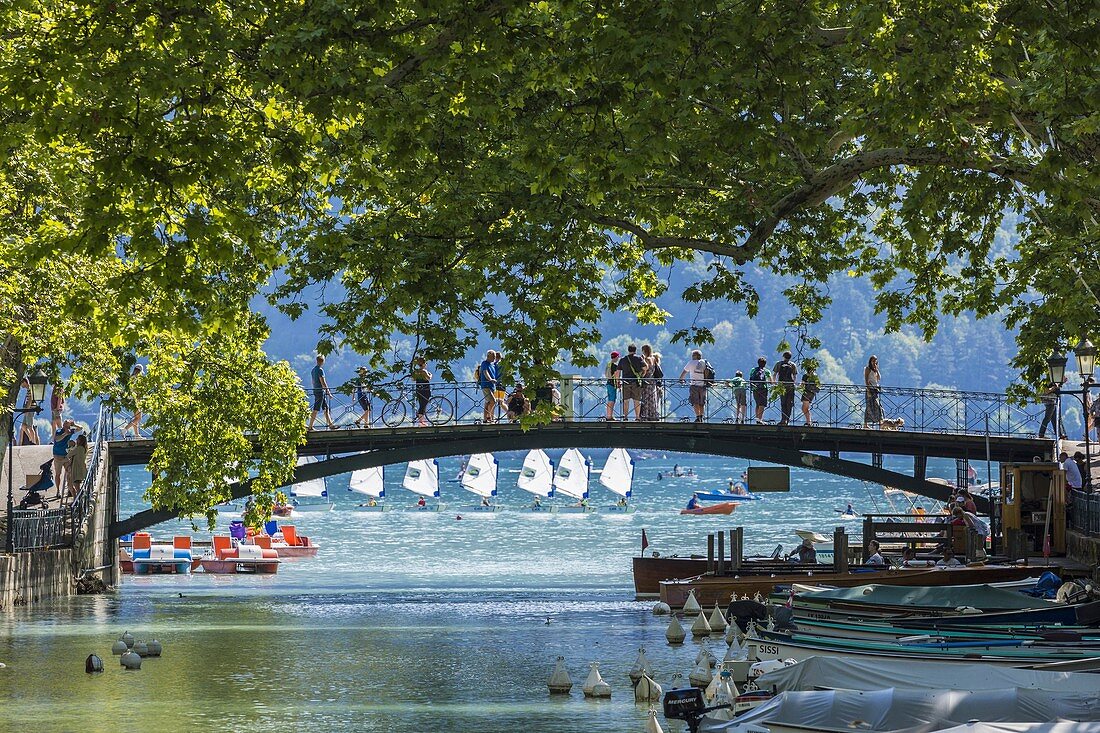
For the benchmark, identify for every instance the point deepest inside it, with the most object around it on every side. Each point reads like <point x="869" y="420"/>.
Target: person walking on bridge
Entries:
<point x="321" y="394"/>
<point x="785" y="375"/>
<point x="487" y="380"/>
<point x="697" y="383"/>
<point x="760" y="379"/>
<point x="632" y="369"/>
<point x="1049" y="399"/>
<point x="872" y="380"/>
<point x="611" y="374"/>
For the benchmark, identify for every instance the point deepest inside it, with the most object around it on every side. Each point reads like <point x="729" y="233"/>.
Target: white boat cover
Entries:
<point x="982" y="596"/>
<point x="911" y="711"/>
<point x="422" y="477"/>
<point x="1062" y="726"/>
<point x="571" y="478"/>
<point x="847" y="673"/>
<point x="312" y="487"/>
<point x="537" y="474"/>
<point x="618" y="472"/>
<point x="369" y="481"/>
<point x="480" y="475"/>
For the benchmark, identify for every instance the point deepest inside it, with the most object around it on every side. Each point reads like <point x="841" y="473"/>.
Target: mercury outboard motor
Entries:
<point x="687" y="704"/>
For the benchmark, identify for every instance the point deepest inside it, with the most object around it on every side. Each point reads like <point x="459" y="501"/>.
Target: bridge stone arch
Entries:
<point x="794" y="447"/>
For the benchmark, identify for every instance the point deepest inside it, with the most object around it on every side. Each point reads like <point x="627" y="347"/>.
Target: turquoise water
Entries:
<point x="406" y="621"/>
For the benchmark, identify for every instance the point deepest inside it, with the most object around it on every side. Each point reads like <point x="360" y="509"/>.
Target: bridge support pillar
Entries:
<point x="920" y="467"/>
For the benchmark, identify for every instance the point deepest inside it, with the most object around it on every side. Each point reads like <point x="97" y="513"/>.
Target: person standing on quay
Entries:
<point x="785" y="375"/>
<point x="28" y="432"/>
<point x="486" y="379"/>
<point x="1073" y="473"/>
<point x="760" y="378"/>
<point x="78" y="464"/>
<point x="611" y="373"/>
<point x="57" y="405"/>
<point x="321" y="394"/>
<point x="62" y="439"/>
<point x="872" y="379"/>
<point x="697" y="385"/>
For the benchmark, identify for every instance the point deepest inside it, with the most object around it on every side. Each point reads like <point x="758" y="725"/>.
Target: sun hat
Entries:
<point x="614" y="354"/>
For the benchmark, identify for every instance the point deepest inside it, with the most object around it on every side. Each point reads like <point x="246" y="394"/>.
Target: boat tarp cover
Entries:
<point x="311" y="487"/>
<point x="422" y="477"/>
<point x="618" y="472"/>
<point x="369" y="481"/>
<point x="537" y="473"/>
<point x="983" y="596"/>
<point x="480" y="475"/>
<point x="913" y="711"/>
<point x="859" y="674"/>
<point x="1061" y="726"/>
<point x="571" y="478"/>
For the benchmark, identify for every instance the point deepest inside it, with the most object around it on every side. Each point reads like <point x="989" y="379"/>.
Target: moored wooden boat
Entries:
<point x="720" y="588"/>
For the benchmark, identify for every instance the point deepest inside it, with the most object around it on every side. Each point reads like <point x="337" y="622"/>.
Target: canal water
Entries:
<point x="406" y="621"/>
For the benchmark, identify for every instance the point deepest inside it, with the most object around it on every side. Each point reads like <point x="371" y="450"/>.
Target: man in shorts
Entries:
<point x="697" y="385"/>
<point x="321" y="393"/>
<point x="760" y="379"/>
<point x="486" y="379"/>
<point x="611" y="372"/>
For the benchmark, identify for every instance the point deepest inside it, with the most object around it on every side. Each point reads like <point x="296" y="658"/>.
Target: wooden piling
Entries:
<point x="737" y="549"/>
<point x="710" y="553"/>
<point x="721" y="569"/>
<point x="840" y="550"/>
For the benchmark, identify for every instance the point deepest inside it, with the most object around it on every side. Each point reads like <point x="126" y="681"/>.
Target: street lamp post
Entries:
<point x="37" y="394"/>
<point x="1086" y="366"/>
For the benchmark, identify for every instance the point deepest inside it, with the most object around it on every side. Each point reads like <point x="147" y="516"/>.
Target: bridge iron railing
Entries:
<point x="44" y="529"/>
<point x="1083" y="512"/>
<point x="585" y="400"/>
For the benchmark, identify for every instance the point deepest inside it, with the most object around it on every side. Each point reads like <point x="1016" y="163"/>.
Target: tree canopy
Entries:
<point x="453" y="169"/>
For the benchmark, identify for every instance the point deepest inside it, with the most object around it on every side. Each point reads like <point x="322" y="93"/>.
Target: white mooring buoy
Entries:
<point x="691" y="606"/>
<point x="141" y="648"/>
<point x="701" y="674"/>
<point x="647" y="690"/>
<point x="652" y="725"/>
<point x="119" y="647"/>
<point x="660" y="608"/>
<point x="155" y="648"/>
<point x="641" y="666"/>
<point x="700" y="627"/>
<point x="128" y="638"/>
<point x="717" y="620"/>
<point x="130" y="660"/>
<point x="675" y="632"/>
<point x="594" y="685"/>
<point x="732" y="633"/>
<point x="736" y="652"/>
<point x="93" y="664"/>
<point x="559" y="682"/>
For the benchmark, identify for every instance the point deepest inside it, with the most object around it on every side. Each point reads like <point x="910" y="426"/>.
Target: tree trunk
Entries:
<point x="11" y="357"/>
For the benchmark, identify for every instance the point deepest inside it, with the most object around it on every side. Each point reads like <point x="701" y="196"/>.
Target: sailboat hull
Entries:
<point x="375" y="508"/>
<point x="573" y="510"/>
<point x="479" y="509"/>
<point x="616" y="509"/>
<point x="304" y="507"/>
<point x="430" y="508"/>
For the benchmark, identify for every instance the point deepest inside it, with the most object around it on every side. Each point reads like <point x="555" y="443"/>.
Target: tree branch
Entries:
<point x="834" y="179"/>
<point x="653" y="241"/>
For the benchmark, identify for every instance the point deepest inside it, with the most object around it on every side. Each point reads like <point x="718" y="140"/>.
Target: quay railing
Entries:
<point x="1083" y="512"/>
<point x="46" y="529"/>
<point x="578" y="399"/>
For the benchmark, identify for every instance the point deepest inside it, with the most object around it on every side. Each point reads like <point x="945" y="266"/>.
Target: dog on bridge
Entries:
<point x="895" y="423"/>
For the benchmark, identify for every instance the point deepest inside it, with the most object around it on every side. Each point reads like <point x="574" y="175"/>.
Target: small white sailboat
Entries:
<point x="618" y="477"/>
<point x="304" y="493"/>
<point x="480" y="478"/>
<point x="536" y="477"/>
<point x="571" y="479"/>
<point x="370" y="482"/>
<point x="422" y="477"/>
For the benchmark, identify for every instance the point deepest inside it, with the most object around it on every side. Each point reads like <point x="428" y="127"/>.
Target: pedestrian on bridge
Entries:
<point x="740" y="396"/>
<point x="872" y="379"/>
<point x="423" y="379"/>
<point x="611" y="373"/>
<point x="811" y="385"/>
<point x="1049" y="398"/>
<point x="760" y="378"/>
<point x="785" y="375"/>
<point x="632" y="370"/>
<point x="321" y="394"/>
<point x="362" y="396"/>
<point x="487" y="380"/>
<point x="695" y="370"/>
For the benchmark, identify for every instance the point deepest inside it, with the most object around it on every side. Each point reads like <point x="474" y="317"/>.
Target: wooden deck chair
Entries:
<point x="290" y="535"/>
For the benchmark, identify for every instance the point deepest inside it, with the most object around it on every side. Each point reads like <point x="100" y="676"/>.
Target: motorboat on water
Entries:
<point x="687" y="473"/>
<point x="228" y="558"/>
<point x="571" y="479"/>
<point x="737" y="491"/>
<point x="422" y="479"/>
<point x="479" y="477"/>
<point x="618" y="477"/>
<point x="370" y="483"/>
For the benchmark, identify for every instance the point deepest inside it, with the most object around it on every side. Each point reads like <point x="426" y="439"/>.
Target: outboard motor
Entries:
<point x="687" y="704"/>
<point x="33" y="499"/>
<point x="784" y="618"/>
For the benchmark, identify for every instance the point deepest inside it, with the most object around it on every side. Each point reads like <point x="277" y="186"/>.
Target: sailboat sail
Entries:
<point x="571" y="478"/>
<point x="310" y="487"/>
<point x="618" y="472"/>
<point x="369" y="481"/>
<point x="422" y="477"/>
<point x="480" y="475"/>
<point x="537" y="474"/>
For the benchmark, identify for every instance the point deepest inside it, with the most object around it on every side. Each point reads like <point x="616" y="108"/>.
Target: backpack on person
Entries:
<point x="709" y="374"/>
<point x="635" y="366"/>
<point x="758" y="374"/>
